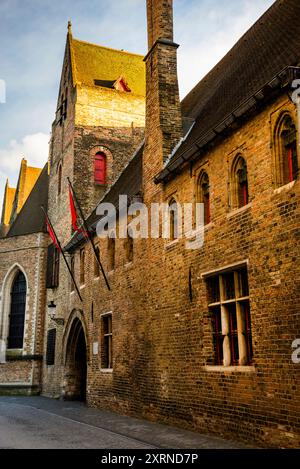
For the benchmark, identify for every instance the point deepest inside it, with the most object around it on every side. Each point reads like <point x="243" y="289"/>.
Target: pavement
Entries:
<point x="42" y="423"/>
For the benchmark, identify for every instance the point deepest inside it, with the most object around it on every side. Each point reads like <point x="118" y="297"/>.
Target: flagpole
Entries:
<point x="89" y="235"/>
<point x="63" y="254"/>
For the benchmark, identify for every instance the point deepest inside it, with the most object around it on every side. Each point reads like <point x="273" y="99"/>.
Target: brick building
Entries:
<point x="198" y="338"/>
<point x="23" y="260"/>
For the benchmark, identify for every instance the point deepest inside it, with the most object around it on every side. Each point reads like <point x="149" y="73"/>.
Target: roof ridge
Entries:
<point x="107" y="48"/>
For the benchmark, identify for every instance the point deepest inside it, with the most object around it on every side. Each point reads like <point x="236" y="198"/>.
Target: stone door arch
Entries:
<point x="76" y="357"/>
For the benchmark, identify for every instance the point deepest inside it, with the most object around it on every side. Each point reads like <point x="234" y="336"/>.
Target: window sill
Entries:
<point x="237" y="211"/>
<point x="285" y="188"/>
<point x="16" y="352"/>
<point x="230" y="369"/>
<point x="106" y="370"/>
<point x="171" y="244"/>
<point x="96" y="279"/>
<point x="82" y="287"/>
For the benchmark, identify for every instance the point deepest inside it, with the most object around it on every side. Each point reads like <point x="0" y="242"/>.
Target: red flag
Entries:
<point x="73" y="211"/>
<point x="52" y="234"/>
<point x="74" y="215"/>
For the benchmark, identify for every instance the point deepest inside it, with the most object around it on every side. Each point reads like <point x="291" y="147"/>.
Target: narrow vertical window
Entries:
<point x="111" y="253"/>
<point x="129" y="247"/>
<point x="100" y="168"/>
<point x="107" y="343"/>
<point x="286" y="154"/>
<point x="51" y="342"/>
<point x="59" y="183"/>
<point x="53" y="258"/>
<point x="17" y="313"/>
<point x="289" y="144"/>
<point x="82" y="267"/>
<point x="96" y="263"/>
<point x="204" y="196"/>
<point x="173" y="219"/>
<point x="73" y="272"/>
<point x="240" y="190"/>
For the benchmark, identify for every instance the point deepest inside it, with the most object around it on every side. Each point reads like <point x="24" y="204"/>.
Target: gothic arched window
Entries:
<point x="240" y="191"/>
<point x="17" y="313"/>
<point x="288" y="151"/>
<point x="203" y="196"/>
<point x="173" y="220"/>
<point x="100" y="168"/>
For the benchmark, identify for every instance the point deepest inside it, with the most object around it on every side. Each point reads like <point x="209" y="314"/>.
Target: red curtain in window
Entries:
<point x="100" y="168"/>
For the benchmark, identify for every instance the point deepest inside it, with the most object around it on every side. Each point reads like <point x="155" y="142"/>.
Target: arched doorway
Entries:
<point x="76" y="363"/>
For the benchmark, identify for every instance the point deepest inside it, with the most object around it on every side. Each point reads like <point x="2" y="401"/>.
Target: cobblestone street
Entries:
<point x="40" y="423"/>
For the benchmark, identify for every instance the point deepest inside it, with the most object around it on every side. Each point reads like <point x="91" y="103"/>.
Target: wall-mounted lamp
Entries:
<point x="52" y="314"/>
<point x="51" y="309"/>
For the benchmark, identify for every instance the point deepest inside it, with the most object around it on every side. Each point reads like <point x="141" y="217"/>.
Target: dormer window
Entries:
<point x="120" y="84"/>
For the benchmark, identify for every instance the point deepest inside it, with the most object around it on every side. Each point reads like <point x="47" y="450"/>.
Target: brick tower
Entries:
<point x="163" y="113"/>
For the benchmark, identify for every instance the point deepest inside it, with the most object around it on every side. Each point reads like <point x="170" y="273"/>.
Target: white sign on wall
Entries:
<point x="95" y="348"/>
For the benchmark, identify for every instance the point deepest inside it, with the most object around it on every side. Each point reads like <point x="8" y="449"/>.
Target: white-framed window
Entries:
<point x="229" y="309"/>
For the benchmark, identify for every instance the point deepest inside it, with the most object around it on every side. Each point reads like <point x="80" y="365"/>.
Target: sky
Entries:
<point x="32" y="39"/>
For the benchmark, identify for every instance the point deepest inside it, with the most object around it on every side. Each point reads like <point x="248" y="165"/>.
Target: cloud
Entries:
<point x="34" y="148"/>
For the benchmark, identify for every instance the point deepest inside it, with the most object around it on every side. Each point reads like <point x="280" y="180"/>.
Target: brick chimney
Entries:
<point x="163" y="112"/>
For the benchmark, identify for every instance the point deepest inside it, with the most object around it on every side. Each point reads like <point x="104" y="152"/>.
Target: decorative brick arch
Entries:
<point x="279" y="177"/>
<point x="109" y="162"/>
<point x="203" y="193"/>
<point x="75" y="357"/>
<point x="239" y="190"/>
<point x="5" y="304"/>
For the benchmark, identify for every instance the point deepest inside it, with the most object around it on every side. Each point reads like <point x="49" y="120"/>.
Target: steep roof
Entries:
<point x="270" y="45"/>
<point x="31" y="219"/>
<point x="27" y="178"/>
<point x="8" y="200"/>
<point x="91" y="62"/>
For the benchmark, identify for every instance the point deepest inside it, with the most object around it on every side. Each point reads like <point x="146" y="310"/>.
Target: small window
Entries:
<point x="100" y="168"/>
<point x="240" y="191"/>
<point x="96" y="263"/>
<point x="228" y="296"/>
<point x="289" y="147"/>
<point x="129" y="246"/>
<point x="173" y="220"/>
<point x="82" y="267"/>
<point x="59" y="183"/>
<point x="106" y="343"/>
<point x="111" y="251"/>
<point x="287" y="166"/>
<point x="53" y="259"/>
<point x="73" y="272"/>
<point x="204" y="196"/>
<point x="51" y="342"/>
